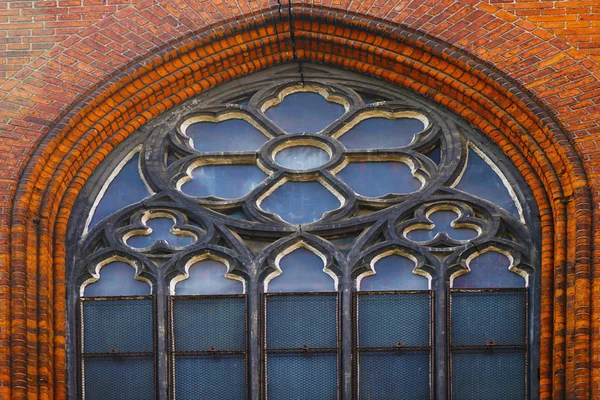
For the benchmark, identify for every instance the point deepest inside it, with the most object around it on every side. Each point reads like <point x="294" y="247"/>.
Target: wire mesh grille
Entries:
<point x="119" y="378"/>
<point x="309" y="376"/>
<point x="123" y="326"/>
<point x="388" y="318"/>
<point x="203" y="322"/>
<point x="479" y="317"/>
<point x="218" y="377"/>
<point x="394" y="375"/>
<point x="297" y="320"/>
<point x="488" y="375"/>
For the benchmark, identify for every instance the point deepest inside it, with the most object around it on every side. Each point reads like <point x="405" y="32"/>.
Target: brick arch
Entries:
<point x="114" y="109"/>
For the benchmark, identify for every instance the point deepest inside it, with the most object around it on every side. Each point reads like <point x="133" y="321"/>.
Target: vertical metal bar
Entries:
<point x="346" y="337"/>
<point x="441" y="349"/>
<point x="254" y="350"/>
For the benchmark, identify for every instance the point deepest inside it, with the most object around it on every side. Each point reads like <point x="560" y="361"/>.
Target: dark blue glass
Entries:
<point x="228" y="135"/>
<point x="161" y="230"/>
<point x="218" y="377"/>
<point x="382" y="133"/>
<point x="302" y="377"/>
<point x="435" y="155"/>
<point x="224" y="181"/>
<point x="304" y="112"/>
<point x="489" y="270"/>
<point x="481" y="180"/>
<point x="119" y="378"/>
<point x="302" y="271"/>
<point x="117" y="279"/>
<point x="442" y="224"/>
<point x="394" y="273"/>
<point x="376" y="179"/>
<point x="208" y="277"/>
<point x="394" y="375"/>
<point x="125" y="189"/>
<point x="300" y="202"/>
<point x="301" y="157"/>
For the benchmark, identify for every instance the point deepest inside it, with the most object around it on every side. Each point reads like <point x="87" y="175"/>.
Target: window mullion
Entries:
<point x="162" y="350"/>
<point x="254" y="344"/>
<point x="440" y="342"/>
<point x="346" y="328"/>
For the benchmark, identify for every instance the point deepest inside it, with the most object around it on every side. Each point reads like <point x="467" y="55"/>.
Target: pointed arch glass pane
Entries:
<point x="208" y="277"/>
<point x="161" y="230"/>
<point x="382" y="133"/>
<point x="300" y="202"/>
<point x="479" y="179"/>
<point x="376" y="179"/>
<point x="223" y="181"/>
<point x="304" y="112"/>
<point x="117" y="279"/>
<point x="489" y="270"/>
<point x="228" y="135"/>
<point x="126" y="188"/>
<point x="394" y="272"/>
<point x="301" y="271"/>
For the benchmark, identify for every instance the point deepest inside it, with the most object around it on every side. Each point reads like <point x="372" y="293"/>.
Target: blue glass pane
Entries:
<point x="435" y="155"/>
<point x="395" y="375"/>
<point x="296" y="320"/>
<point x="302" y="377"/>
<point x="123" y="326"/>
<point x="376" y="133"/>
<point x="161" y="230"/>
<point x="302" y="271"/>
<point x="304" y="112"/>
<point x="386" y="319"/>
<point x="488" y="375"/>
<point x="219" y="377"/>
<point x="301" y="157"/>
<point x="125" y="189"/>
<point x="394" y="273"/>
<point x="479" y="179"/>
<point x="442" y="221"/>
<point x="300" y="202"/>
<point x="224" y="181"/>
<point x="228" y="135"/>
<point x="375" y="179"/>
<point x="200" y="323"/>
<point x="208" y="277"/>
<point x="489" y="270"/>
<point x="479" y="317"/>
<point x="119" y="378"/>
<point x="117" y="279"/>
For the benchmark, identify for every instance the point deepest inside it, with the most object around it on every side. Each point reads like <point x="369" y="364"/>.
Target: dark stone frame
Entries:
<point x="85" y="253"/>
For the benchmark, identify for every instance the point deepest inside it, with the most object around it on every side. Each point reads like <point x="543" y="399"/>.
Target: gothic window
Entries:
<point x="329" y="237"/>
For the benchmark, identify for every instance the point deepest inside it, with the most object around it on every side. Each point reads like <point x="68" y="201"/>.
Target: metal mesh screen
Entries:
<point x="388" y="318"/>
<point x="124" y="326"/>
<point x="119" y="378"/>
<point x="218" y="377"/>
<point x="296" y="320"/>
<point x="394" y="375"/>
<point x="479" y="317"/>
<point x="302" y="376"/>
<point x="488" y="375"/>
<point x="203" y="322"/>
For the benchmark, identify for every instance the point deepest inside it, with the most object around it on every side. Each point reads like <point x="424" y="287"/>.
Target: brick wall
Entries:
<point x="77" y="77"/>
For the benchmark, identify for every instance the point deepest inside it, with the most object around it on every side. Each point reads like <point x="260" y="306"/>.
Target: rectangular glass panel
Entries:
<point x="118" y="326"/>
<point x="302" y="376"/>
<point x="400" y="374"/>
<point x="479" y="317"/>
<point x="219" y="377"/>
<point x="203" y="322"/>
<point x="119" y="378"/>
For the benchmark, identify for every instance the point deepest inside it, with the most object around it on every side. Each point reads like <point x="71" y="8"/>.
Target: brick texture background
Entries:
<point x="78" y="76"/>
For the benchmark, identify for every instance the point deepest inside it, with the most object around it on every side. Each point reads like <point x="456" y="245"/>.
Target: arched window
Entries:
<point x="325" y="238"/>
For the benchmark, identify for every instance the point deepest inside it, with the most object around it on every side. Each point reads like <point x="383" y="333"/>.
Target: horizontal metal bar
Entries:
<point x="374" y="292"/>
<point x="492" y="346"/>
<point x="392" y="349"/>
<point x="283" y="294"/>
<point x="116" y="355"/>
<point x="208" y="353"/>
<point x="490" y="290"/>
<point x="209" y="296"/>
<point x="116" y="298"/>
<point x="301" y="351"/>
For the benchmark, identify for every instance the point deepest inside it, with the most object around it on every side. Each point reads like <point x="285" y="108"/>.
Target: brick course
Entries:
<point x="77" y="77"/>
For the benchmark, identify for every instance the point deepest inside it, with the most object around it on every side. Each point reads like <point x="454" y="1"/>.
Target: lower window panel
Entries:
<point x="302" y="376"/>
<point x="119" y="378"/>
<point x="218" y="376"/>
<point x="402" y="374"/>
<point x="488" y="374"/>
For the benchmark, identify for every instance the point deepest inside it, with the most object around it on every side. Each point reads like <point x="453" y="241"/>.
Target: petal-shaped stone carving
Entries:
<point x="223" y="181"/>
<point x="161" y="229"/>
<point x="442" y="221"/>
<point x="376" y="179"/>
<point x="304" y="112"/>
<point x="300" y="202"/>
